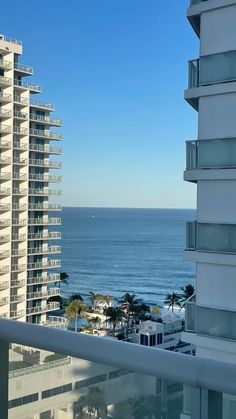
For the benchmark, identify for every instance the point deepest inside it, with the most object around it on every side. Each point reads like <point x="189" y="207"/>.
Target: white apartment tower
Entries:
<point x="211" y="164"/>
<point x="26" y="238"/>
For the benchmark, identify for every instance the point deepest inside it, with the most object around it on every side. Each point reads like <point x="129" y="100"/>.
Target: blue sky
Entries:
<point x="116" y="70"/>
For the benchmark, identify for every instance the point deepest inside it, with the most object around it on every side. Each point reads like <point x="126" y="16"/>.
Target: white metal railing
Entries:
<point x="19" y="176"/>
<point x="17" y="298"/>
<point x="4" y="269"/>
<point x="5" y="128"/>
<point x="3" y="301"/>
<point x="18" y="160"/>
<point x="5" y="191"/>
<point x="4" y="254"/>
<point x="5" y="207"/>
<point x="20" y="130"/>
<point x="39" y="368"/>
<point x="45" y="148"/>
<point x="45" y="134"/>
<point x="5" y="80"/>
<point x="44" y="178"/>
<point x="19" y="237"/>
<point x="21" y="115"/>
<point x="18" y="252"/>
<point x="11" y="40"/>
<point x="5" y="97"/>
<point x="44" y="265"/>
<point x="45" y="207"/>
<point x="4" y="238"/>
<point x="18" y="222"/>
<point x="45" y="163"/>
<point x="5" y="64"/>
<point x="17" y="283"/>
<point x="19" y="207"/>
<point x="17" y="313"/>
<point x="4" y="175"/>
<point x="40" y="220"/>
<point x="43" y="280"/>
<point x="43" y="294"/>
<point x="47" y="307"/>
<point x="4" y="223"/>
<point x="5" y="113"/>
<point x="21" y="100"/>
<point x="54" y="235"/>
<point x="47" y="119"/>
<point x="4" y="285"/>
<point x="18" y="268"/>
<point x="20" y="146"/>
<point x="5" y="160"/>
<point x="26" y="85"/>
<point x="42" y="250"/>
<point x="17" y="191"/>
<point x="24" y="68"/>
<point x="5" y="143"/>
<point x="40" y="104"/>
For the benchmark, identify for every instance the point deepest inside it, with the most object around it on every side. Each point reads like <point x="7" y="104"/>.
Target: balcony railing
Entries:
<point x="20" y="146"/>
<point x="11" y="40"/>
<point x="4" y="254"/>
<point x="45" y="163"/>
<point x="26" y="85"/>
<point x="18" y="268"/>
<point x="20" y="115"/>
<point x="18" y="176"/>
<point x="44" y="250"/>
<point x="17" y="298"/>
<point x="24" y="68"/>
<point x="5" y="160"/>
<point x="44" y="178"/>
<point x="6" y="81"/>
<point x="211" y="154"/>
<point x="44" y="265"/>
<point x="17" y="283"/>
<point x="45" y="119"/>
<point x="5" y="64"/>
<point x="45" y="134"/>
<point x="3" y="301"/>
<point x="5" y="97"/>
<point x="43" y="105"/>
<point x="4" y="238"/>
<point x="5" y="207"/>
<point x="4" y="269"/>
<point x="48" y="221"/>
<point x="5" y="129"/>
<point x="133" y="380"/>
<point x="45" y="149"/>
<point x="50" y="292"/>
<point x="4" y="223"/>
<point x="19" y="237"/>
<point x="19" y="207"/>
<point x="20" y="130"/>
<point x="15" y="314"/>
<point x="18" y="252"/>
<point x="43" y="280"/>
<point x="18" y="160"/>
<point x="18" y="222"/>
<point x="20" y="100"/>
<point x="193" y="73"/>
<point x="4" y="285"/>
<point x="5" y="113"/>
<point x="5" y="191"/>
<point x="54" y="235"/>
<point x="44" y="308"/>
<point x="17" y="191"/>
<point x="45" y="192"/>
<point x="45" y="207"/>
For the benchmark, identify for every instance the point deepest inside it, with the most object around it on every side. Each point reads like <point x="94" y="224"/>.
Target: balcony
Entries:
<point x="45" y="149"/>
<point x="54" y="235"/>
<point x="19" y="237"/>
<point x="18" y="252"/>
<point x="17" y="283"/>
<point x="4" y="238"/>
<point x="5" y="160"/>
<point x="20" y="146"/>
<point x="44" y="250"/>
<point x="44" y="265"/>
<point x="43" y="294"/>
<point x="4" y="144"/>
<point x="5" y="97"/>
<point x="19" y="207"/>
<point x="211" y="237"/>
<point x="10" y="40"/>
<point x="5" y="81"/>
<point x="45" y="134"/>
<point x="42" y="105"/>
<point x="4" y="269"/>
<point x="43" y="280"/>
<point x="42" y="309"/>
<point x="26" y="69"/>
<point x="56" y="322"/>
<point x="18" y="222"/>
<point x="44" y="207"/>
<point x="5" y="113"/>
<point x="18" y="268"/>
<point x="44" y="192"/>
<point x="45" y="163"/>
<point x="20" y="177"/>
<point x="20" y="100"/>
<point x="194" y="2"/>
<point x="4" y="254"/>
<point x="19" y="161"/>
<point x="33" y="87"/>
<point x="17" y="298"/>
<point x="3" y="301"/>
<point x="20" y="115"/>
<point x="5" y="129"/>
<point x="5" y="207"/>
<point x="125" y="381"/>
<point x="45" y="119"/>
<point x="42" y="221"/>
<point x="5" y="191"/>
<point x="20" y="131"/>
<point x="4" y="223"/>
<point x="17" y="191"/>
<point x="45" y="178"/>
<point x="4" y="285"/>
<point x="6" y="65"/>
<point x="15" y="314"/>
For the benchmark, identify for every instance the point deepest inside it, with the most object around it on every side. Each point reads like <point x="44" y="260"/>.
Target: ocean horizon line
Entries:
<point x="131" y="208"/>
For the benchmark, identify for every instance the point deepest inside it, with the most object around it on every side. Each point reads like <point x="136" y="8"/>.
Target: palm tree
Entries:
<point x="93" y="297"/>
<point x="92" y="403"/>
<point x="172" y="300"/>
<point x="74" y="310"/>
<point x="130" y="303"/>
<point x="113" y="315"/>
<point x="106" y="299"/>
<point x="75" y="297"/>
<point x="187" y="291"/>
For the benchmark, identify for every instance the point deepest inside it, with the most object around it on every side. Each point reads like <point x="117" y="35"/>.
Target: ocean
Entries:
<point x="115" y="250"/>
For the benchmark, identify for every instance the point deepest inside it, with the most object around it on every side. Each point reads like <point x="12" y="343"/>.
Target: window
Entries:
<point x="88" y="381"/>
<point x="23" y="400"/>
<point x="56" y="390"/>
<point x="144" y="340"/>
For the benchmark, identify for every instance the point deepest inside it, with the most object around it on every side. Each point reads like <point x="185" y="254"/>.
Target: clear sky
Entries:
<point x="116" y="70"/>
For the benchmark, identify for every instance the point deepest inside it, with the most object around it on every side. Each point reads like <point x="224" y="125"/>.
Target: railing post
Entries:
<point x="4" y="365"/>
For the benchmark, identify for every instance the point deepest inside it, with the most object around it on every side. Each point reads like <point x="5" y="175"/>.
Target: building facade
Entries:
<point x="211" y="164"/>
<point x="27" y="156"/>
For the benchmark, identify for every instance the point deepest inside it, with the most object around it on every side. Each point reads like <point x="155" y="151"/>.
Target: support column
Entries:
<point x="4" y="366"/>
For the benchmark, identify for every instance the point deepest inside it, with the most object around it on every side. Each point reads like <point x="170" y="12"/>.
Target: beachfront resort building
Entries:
<point x="27" y="156"/>
<point x="211" y="164"/>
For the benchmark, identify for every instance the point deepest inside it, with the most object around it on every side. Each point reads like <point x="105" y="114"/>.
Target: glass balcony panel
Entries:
<point x="5" y="97"/>
<point x="191" y="154"/>
<point x="217" y="68"/>
<point x="191" y="235"/>
<point x="219" y="238"/>
<point x="193" y="73"/>
<point x="24" y="68"/>
<point x="216" y="323"/>
<point x="57" y="386"/>
<point x="40" y="104"/>
<point x="190" y="317"/>
<point x="216" y="153"/>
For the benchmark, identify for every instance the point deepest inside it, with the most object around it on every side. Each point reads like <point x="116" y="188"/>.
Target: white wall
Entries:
<point x="218" y="32"/>
<point x="216" y="201"/>
<point x="217" y="116"/>
<point x="216" y="285"/>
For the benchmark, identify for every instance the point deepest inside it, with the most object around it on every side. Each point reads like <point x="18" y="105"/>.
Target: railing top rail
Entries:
<point x="196" y="371"/>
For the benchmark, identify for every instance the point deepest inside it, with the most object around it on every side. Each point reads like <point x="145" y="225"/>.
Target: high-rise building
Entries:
<point x="26" y="238"/>
<point x="211" y="164"/>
